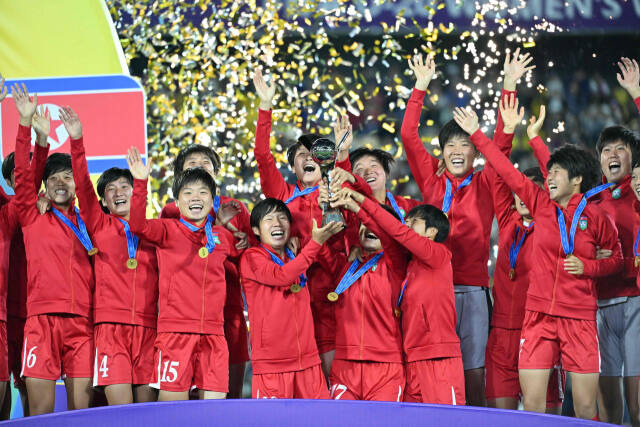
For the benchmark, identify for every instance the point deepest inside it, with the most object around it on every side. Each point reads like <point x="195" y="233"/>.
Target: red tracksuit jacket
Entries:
<point x="8" y="226"/>
<point x="17" y="272"/>
<point x="366" y="327"/>
<point x="60" y="275"/>
<point x="618" y="202"/>
<point x="428" y="304"/>
<point x="551" y="289"/>
<point x="122" y="295"/>
<point x="282" y="335"/>
<point x="471" y="212"/>
<point x="192" y="290"/>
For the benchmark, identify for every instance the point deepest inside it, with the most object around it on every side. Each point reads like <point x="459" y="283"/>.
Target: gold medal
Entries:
<point x="93" y="251"/>
<point x="637" y="261"/>
<point x="332" y="296"/>
<point x="295" y="288"/>
<point x="203" y="252"/>
<point x="512" y="274"/>
<point x="397" y="312"/>
<point x="132" y="263"/>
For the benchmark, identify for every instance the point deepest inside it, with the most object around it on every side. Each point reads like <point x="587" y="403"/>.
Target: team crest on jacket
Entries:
<point x="216" y="239"/>
<point x="403" y="213"/>
<point x="583" y="223"/>
<point x="616" y="193"/>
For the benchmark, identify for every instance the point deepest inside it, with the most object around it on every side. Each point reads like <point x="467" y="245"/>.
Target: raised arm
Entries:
<point x="430" y="253"/>
<point x="41" y="123"/>
<point x="540" y="150"/>
<point x="90" y="208"/>
<point x="153" y="230"/>
<point x="25" y="189"/>
<point x="422" y="164"/>
<point x="527" y="190"/>
<point x="271" y="180"/>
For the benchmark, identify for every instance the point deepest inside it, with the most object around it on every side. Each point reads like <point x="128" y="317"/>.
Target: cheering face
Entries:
<point x="561" y="188"/>
<point x="117" y="196"/>
<point x="458" y="154"/>
<point x="371" y="170"/>
<point x="61" y="189"/>
<point x="195" y="201"/>
<point x="274" y="230"/>
<point x="615" y="160"/>
<point x="307" y="171"/>
<point x="199" y="160"/>
<point x="635" y="181"/>
<point x="368" y="240"/>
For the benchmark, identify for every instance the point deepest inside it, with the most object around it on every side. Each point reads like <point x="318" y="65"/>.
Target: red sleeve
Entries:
<point x="429" y="252"/>
<point x="361" y="186"/>
<point x="502" y="202"/>
<point x="25" y="190"/>
<point x="90" y="208"/>
<point x="392" y="249"/>
<point x="271" y="180"/>
<point x="153" y="230"/>
<point x="529" y="192"/>
<point x="4" y="198"/>
<point x="422" y="164"/>
<point x="607" y="238"/>
<point x="170" y="211"/>
<point x="637" y="102"/>
<point x="258" y="266"/>
<point x="38" y="164"/>
<point x="345" y="164"/>
<point x="541" y="152"/>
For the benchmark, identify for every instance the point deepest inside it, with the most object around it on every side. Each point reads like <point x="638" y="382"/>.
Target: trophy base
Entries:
<point x="333" y="215"/>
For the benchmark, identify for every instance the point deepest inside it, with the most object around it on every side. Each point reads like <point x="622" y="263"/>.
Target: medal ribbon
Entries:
<point x="635" y="245"/>
<point x="352" y="275"/>
<point x="568" y="242"/>
<point x="211" y="244"/>
<point x="404" y="286"/>
<point x="216" y="204"/>
<point x="299" y="193"/>
<point x="80" y="231"/>
<point x="395" y="206"/>
<point x="132" y="239"/>
<point x="277" y="260"/>
<point x="517" y="245"/>
<point x="448" y="194"/>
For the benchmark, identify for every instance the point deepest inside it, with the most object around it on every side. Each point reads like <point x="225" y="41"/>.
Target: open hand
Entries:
<point x="342" y="126"/>
<point x="227" y="212"/>
<point x="321" y="235"/>
<point x="71" y="122"/>
<point x="535" y="125"/>
<point x="339" y="176"/>
<point x="510" y="115"/>
<point x="24" y="104"/>
<point x="41" y="123"/>
<point x="294" y="244"/>
<point x="136" y="166"/>
<point x="3" y="89"/>
<point x="265" y="91"/>
<point x="514" y="68"/>
<point x="630" y="78"/>
<point x="242" y="240"/>
<point x="424" y="71"/>
<point x="467" y="119"/>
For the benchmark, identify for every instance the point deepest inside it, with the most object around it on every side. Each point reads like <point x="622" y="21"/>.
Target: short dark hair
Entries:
<point x="178" y="163"/>
<point x="616" y="133"/>
<point x="110" y="175"/>
<point x="433" y="217"/>
<point x="385" y="159"/>
<point x="451" y="129"/>
<point x="577" y="162"/>
<point x="534" y="174"/>
<point x="190" y="176"/>
<point x="57" y="162"/>
<point x="265" y="207"/>
<point x="306" y="141"/>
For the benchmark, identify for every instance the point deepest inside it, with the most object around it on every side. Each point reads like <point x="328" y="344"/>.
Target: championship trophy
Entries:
<point x="325" y="153"/>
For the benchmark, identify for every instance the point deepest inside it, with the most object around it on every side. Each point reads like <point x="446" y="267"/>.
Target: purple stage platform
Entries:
<point x="239" y="413"/>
